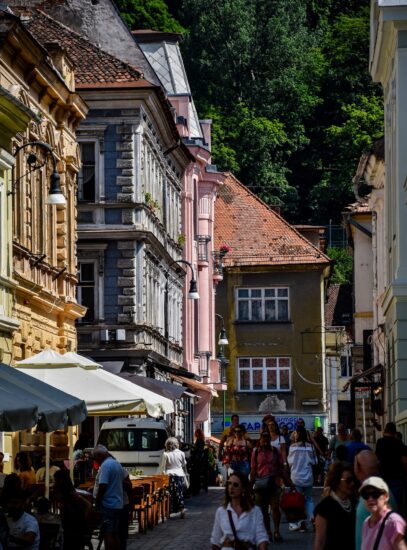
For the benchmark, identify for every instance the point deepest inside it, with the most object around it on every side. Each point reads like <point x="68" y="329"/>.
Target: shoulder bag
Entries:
<point x="381" y="530"/>
<point x="239" y="544"/>
<point x="265" y="483"/>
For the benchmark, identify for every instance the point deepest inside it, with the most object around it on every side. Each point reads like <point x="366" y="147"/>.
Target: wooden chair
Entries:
<point x="139" y="507"/>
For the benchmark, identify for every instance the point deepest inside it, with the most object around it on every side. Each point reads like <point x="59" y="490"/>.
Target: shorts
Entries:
<point x="111" y="520"/>
<point x="271" y="496"/>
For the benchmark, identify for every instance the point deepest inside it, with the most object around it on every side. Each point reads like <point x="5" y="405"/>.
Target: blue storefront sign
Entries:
<point x="253" y="423"/>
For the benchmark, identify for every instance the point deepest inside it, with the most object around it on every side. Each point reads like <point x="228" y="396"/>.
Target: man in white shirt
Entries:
<point x="23" y="528"/>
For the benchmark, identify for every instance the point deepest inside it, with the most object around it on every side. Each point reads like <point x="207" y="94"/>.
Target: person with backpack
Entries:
<point x="266" y="475"/>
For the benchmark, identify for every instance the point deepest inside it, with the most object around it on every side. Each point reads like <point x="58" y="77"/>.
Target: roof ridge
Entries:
<point x="277" y="215"/>
<point x="124" y="64"/>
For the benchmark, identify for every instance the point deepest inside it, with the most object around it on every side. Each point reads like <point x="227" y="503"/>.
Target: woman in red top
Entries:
<point x="237" y="452"/>
<point x="266" y="474"/>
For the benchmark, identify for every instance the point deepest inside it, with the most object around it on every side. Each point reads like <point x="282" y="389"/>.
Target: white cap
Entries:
<point x="377" y="483"/>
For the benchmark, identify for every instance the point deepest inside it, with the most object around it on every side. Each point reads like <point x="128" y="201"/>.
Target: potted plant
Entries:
<point x="224" y="249"/>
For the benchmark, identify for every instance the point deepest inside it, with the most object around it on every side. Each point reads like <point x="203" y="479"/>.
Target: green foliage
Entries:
<point x="286" y="84"/>
<point x="343" y="263"/>
<point x="148" y="14"/>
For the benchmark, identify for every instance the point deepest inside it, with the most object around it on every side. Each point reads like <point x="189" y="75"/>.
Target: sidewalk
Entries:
<point x="193" y="532"/>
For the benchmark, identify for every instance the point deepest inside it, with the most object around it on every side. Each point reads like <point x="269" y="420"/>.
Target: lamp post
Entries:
<point x="55" y="195"/>
<point x="222" y="342"/>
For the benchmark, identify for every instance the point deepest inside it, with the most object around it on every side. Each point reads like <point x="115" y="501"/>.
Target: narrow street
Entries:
<point x="194" y="531"/>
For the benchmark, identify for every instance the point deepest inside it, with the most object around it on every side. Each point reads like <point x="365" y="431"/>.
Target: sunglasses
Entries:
<point x="233" y="484"/>
<point x="348" y="480"/>
<point x="371" y="493"/>
<point x="238" y="431"/>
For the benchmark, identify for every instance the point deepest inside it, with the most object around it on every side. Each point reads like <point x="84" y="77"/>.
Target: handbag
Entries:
<point x="187" y="481"/>
<point x="239" y="544"/>
<point x="293" y="505"/>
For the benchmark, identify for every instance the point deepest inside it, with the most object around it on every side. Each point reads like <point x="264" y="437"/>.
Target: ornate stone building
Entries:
<point x="44" y="236"/>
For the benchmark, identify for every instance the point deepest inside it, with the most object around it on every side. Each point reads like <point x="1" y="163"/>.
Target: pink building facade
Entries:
<point x="201" y="182"/>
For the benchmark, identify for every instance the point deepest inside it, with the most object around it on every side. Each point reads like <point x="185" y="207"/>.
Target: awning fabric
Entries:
<point x="55" y="408"/>
<point x="368" y="372"/>
<point x="16" y="413"/>
<point x="104" y="393"/>
<point x="195" y="385"/>
<point x="166" y="389"/>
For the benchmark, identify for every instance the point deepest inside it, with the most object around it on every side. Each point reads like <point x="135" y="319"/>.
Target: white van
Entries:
<point x="136" y="442"/>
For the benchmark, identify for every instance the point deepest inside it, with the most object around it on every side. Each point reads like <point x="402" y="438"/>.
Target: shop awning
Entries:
<point x="104" y="393"/>
<point x="195" y="385"/>
<point x="166" y="389"/>
<point x="55" y="409"/>
<point x="363" y="374"/>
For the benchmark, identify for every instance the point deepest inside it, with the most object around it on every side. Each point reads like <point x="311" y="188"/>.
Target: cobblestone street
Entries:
<point x="194" y="531"/>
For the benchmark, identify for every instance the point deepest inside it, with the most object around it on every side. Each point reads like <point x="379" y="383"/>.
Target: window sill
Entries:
<point x="263" y="391"/>
<point x="237" y="322"/>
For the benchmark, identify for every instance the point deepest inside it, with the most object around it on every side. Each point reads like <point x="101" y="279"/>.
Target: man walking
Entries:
<point x="109" y="495"/>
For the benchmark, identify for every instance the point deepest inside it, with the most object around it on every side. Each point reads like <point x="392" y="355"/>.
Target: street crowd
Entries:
<point x="363" y="505"/>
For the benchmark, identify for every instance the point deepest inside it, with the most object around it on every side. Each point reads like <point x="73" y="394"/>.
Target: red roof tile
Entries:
<point x="257" y="234"/>
<point x="92" y="65"/>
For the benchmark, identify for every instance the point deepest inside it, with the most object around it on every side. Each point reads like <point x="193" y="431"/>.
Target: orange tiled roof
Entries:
<point x="92" y="65"/>
<point x="256" y="234"/>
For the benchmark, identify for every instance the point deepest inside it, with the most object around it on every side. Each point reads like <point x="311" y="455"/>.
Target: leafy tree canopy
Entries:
<point x="148" y="14"/>
<point x="286" y="84"/>
<point x="343" y="265"/>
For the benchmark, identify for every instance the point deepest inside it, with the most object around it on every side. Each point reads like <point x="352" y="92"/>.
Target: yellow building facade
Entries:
<point x="43" y="275"/>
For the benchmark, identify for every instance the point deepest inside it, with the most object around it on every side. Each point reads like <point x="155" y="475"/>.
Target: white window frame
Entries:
<point x="263" y="299"/>
<point x="96" y="290"/>
<point x="98" y="213"/>
<point x="264" y="368"/>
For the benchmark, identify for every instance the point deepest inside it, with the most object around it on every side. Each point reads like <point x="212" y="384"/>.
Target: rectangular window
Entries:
<point x="346" y="366"/>
<point x="262" y="304"/>
<point x="264" y="374"/>
<point x="87" y="173"/>
<point x="87" y="290"/>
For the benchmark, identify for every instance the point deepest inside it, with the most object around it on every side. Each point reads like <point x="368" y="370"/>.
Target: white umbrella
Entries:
<point x="104" y="393"/>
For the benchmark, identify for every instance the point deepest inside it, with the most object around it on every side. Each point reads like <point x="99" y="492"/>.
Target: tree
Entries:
<point x="148" y="14"/>
<point x="343" y="265"/>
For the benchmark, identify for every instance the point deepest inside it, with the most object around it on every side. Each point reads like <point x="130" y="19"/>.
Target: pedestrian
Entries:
<point x="301" y="458"/>
<point x="335" y="513"/>
<point x="109" y="497"/>
<point x="356" y="445"/>
<point x="198" y="464"/>
<point x="238" y="523"/>
<point x="365" y="465"/>
<point x="341" y="438"/>
<point x="321" y="449"/>
<point x="392" y="455"/>
<point x="286" y="434"/>
<point x="24" y="531"/>
<point x="276" y="439"/>
<point x="174" y="465"/>
<point x="227" y="432"/>
<point x="266" y="476"/>
<point x="75" y="510"/>
<point x="384" y="528"/>
<point x="237" y="452"/>
<point x="25" y="470"/>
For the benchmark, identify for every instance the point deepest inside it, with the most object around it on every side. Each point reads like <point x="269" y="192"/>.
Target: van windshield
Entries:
<point x="133" y="439"/>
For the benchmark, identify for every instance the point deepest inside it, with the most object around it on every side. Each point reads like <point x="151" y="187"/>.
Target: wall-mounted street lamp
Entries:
<point x="55" y="195"/>
<point x="193" y="287"/>
<point x="223" y="362"/>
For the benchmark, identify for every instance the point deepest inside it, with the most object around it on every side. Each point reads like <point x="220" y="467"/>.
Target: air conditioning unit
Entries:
<point x="120" y="335"/>
<point x="104" y="335"/>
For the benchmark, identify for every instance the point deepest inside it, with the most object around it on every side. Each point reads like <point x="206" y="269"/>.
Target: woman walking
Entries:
<point x="335" y="514"/>
<point x="238" y="520"/>
<point x="383" y="529"/>
<point x="301" y="459"/>
<point x="198" y="464"/>
<point x="174" y="465"/>
<point x="237" y="452"/>
<point x="276" y="439"/>
<point x="267" y="475"/>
